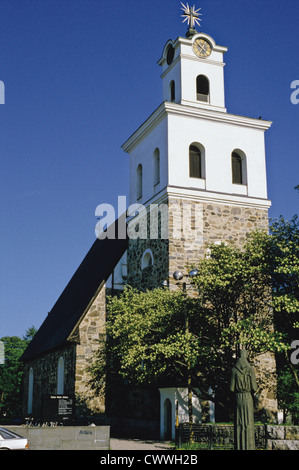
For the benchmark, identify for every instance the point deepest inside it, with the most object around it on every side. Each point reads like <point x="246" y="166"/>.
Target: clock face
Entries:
<point x="202" y="48"/>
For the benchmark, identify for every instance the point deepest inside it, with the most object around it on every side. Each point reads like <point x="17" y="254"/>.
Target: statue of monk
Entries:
<point x="243" y="384"/>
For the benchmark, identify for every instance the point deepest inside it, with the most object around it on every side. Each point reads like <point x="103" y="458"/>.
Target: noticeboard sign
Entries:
<point x="58" y="408"/>
<point x="2" y="353"/>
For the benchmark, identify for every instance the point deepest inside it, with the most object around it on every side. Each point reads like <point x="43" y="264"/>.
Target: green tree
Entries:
<point x="285" y="274"/>
<point x="285" y="277"/>
<point x="246" y="298"/>
<point x="153" y="338"/>
<point x="254" y="293"/>
<point x="147" y="339"/>
<point x="234" y="288"/>
<point x="11" y="373"/>
<point x="160" y="335"/>
<point x="288" y="394"/>
<point x="29" y="334"/>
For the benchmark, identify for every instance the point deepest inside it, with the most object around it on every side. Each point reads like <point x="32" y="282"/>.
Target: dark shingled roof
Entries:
<point x="95" y="269"/>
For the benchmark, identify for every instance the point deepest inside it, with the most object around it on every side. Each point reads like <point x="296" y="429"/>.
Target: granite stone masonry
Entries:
<point x="190" y="233"/>
<point x="91" y="334"/>
<point x="282" y="437"/>
<point x="77" y="354"/>
<point x="189" y="240"/>
<point x="45" y="378"/>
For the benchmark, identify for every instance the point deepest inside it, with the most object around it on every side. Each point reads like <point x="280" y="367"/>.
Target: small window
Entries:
<point x="195" y="167"/>
<point x="60" y="377"/>
<point x="203" y="89"/>
<point x="147" y="259"/>
<point x="238" y="168"/>
<point x="156" y="167"/>
<point x="139" y="182"/>
<point x="170" y="54"/>
<point x="172" y="91"/>
<point x="30" y="391"/>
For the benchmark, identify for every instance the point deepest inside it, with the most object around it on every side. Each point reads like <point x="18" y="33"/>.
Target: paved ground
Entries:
<point x="138" y="444"/>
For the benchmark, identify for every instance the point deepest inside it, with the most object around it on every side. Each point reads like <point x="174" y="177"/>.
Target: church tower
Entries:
<point x="198" y="172"/>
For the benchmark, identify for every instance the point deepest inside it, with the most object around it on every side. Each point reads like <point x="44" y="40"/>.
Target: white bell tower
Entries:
<point x="190" y="143"/>
<point x="191" y="150"/>
<point x="191" y="153"/>
<point x="193" y="72"/>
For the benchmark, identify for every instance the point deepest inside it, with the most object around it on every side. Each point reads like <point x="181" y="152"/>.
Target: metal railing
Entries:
<point x="214" y="436"/>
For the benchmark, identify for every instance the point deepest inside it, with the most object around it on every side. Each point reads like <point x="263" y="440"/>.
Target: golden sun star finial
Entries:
<point x="191" y="15"/>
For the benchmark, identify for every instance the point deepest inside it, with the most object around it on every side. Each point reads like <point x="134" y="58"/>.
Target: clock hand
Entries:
<point x="199" y="45"/>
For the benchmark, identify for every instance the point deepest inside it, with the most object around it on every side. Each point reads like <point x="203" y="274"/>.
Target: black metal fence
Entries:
<point x="214" y="436"/>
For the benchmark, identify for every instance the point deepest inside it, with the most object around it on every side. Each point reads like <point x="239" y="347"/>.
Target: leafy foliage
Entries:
<point x="235" y="285"/>
<point x="285" y="277"/>
<point x="147" y="338"/>
<point x="11" y="373"/>
<point x="285" y="272"/>
<point x="246" y="298"/>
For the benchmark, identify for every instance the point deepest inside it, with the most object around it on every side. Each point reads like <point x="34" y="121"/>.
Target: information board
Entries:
<point x="57" y="408"/>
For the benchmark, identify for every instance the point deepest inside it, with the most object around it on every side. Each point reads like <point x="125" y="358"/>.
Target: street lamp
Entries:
<point x="178" y="275"/>
<point x="193" y="273"/>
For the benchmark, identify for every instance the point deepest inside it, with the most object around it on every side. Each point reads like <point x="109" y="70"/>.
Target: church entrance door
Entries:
<point x="167" y="420"/>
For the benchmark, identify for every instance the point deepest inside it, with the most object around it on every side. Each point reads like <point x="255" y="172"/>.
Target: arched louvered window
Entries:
<point x="195" y="163"/>
<point x="139" y="182"/>
<point x="239" y="168"/>
<point x="170" y="54"/>
<point x="202" y="89"/>
<point x="156" y="163"/>
<point x="172" y="90"/>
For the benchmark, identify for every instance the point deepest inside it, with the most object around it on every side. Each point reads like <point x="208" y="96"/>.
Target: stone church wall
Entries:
<point x="77" y="356"/>
<point x="215" y="223"/>
<point x="45" y="377"/>
<point x="188" y="240"/>
<point x="209" y="223"/>
<point x="91" y="334"/>
<point x="191" y="227"/>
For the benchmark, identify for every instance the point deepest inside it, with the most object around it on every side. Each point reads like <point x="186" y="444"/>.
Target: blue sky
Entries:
<point x="80" y="76"/>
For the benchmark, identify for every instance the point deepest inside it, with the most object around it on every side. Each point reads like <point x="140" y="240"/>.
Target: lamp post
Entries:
<point x="178" y="276"/>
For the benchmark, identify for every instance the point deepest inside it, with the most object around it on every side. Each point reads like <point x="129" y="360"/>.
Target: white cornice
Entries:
<point x="168" y="108"/>
<point x="198" y="59"/>
<point x="145" y="128"/>
<point x="193" y="58"/>
<point x="192" y="111"/>
<point x="202" y="196"/>
<point x="217" y="197"/>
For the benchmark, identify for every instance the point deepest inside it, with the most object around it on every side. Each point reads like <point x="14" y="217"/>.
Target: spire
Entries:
<point x="192" y="17"/>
